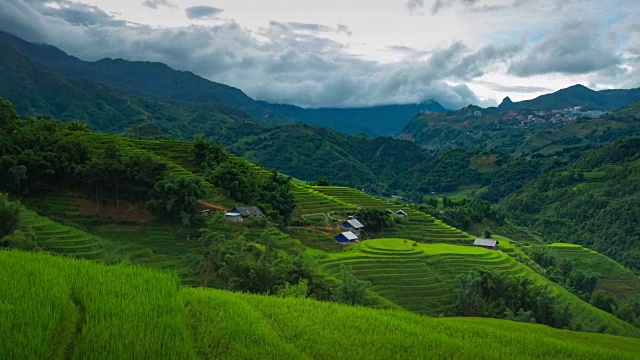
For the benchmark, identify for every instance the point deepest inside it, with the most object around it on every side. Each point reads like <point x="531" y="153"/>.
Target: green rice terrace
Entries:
<point x="55" y="237"/>
<point x="330" y="202"/>
<point x="613" y="278"/>
<point x="60" y="308"/>
<point x="421" y="278"/>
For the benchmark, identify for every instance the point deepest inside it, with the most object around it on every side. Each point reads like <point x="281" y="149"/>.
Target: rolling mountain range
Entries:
<point x="374" y="121"/>
<point x="576" y="95"/>
<point x="172" y="91"/>
<point x="151" y="100"/>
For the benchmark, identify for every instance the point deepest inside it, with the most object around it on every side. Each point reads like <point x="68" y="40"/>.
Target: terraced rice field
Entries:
<point x="55" y="237"/>
<point x="417" y="225"/>
<point x="614" y="279"/>
<point x="311" y="201"/>
<point x="160" y="246"/>
<point x="421" y="278"/>
<point x="177" y="156"/>
<point x="152" y="245"/>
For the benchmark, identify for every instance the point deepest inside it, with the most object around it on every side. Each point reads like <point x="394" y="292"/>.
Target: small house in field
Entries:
<point x="486" y="243"/>
<point x="233" y="216"/>
<point x="347" y="237"/>
<point x="401" y="213"/>
<point x="248" y="211"/>
<point x="352" y="225"/>
<point x="241" y="213"/>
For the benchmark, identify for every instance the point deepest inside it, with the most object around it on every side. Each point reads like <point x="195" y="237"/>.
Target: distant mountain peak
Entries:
<point x="505" y="102"/>
<point x="577" y="88"/>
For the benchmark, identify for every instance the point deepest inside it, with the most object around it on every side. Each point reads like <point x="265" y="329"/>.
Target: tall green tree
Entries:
<point x="8" y="116"/>
<point x="350" y="290"/>
<point x="176" y="197"/>
<point x="9" y="216"/>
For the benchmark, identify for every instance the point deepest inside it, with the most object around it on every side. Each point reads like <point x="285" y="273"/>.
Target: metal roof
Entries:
<point x="355" y="223"/>
<point x="485" y="242"/>
<point x="349" y="235"/>
<point x="248" y="211"/>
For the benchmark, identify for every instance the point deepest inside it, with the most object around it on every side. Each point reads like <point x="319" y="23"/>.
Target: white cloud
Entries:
<point x="303" y="59"/>
<point x="576" y="47"/>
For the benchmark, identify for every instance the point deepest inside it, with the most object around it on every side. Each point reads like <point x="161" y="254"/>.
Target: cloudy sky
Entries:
<point x="348" y="53"/>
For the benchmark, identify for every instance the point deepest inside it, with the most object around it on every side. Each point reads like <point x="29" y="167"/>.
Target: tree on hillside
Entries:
<point x="8" y="116"/>
<point x="9" y="216"/>
<point x="350" y="290"/>
<point x="207" y="154"/>
<point x="376" y="219"/>
<point x="176" y="197"/>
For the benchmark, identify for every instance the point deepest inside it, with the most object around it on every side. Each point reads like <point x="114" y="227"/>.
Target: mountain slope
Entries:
<point x="373" y="121"/>
<point x="154" y="80"/>
<point x="38" y="91"/>
<point x="576" y="95"/>
<point x="520" y="132"/>
<point x="593" y="202"/>
<point x="307" y="152"/>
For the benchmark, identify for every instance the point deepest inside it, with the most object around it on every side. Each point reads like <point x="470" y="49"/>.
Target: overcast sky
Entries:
<point x="355" y="52"/>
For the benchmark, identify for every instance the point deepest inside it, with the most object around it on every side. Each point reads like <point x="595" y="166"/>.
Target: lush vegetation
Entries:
<point x="245" y="182"/>
<point x="78" y="310"/>
<point x="464" y="280"/>
<point x="592" y="202"/>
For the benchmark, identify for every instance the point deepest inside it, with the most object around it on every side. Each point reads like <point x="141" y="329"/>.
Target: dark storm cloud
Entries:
<point x="202" y="12"/>
<point x="293" y="63"/>
<point x="574" y="48"/>
<point x="79" y="14"/>
<point x="155" y="4"/>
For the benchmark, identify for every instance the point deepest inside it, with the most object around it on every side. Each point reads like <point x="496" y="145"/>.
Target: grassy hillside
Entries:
<point x="422" y="278"/>
<point x="613" y="278"/>
<point x="77" y="309"/>
<point x="592" y="202"/>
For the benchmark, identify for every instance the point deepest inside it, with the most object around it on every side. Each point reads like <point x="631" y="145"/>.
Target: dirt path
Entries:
<point x="212" y="206"/>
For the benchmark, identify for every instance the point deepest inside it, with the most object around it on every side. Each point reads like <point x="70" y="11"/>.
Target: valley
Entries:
<point x="151" y="213"/>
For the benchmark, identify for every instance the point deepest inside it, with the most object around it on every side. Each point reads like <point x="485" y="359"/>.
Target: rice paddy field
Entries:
<point x="418" y="226"/>
<point x="56" y="237"/>
<point x="614" y="279"/>
<point x="421" y="278"/>
<point x="54" y="307"/>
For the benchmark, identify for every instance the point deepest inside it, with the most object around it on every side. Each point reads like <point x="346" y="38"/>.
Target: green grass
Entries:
<point x="421" y="278"/>
<point x="613" y="278"/>
<point x="64" y="308"/>
<point x="120" y="312"/>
